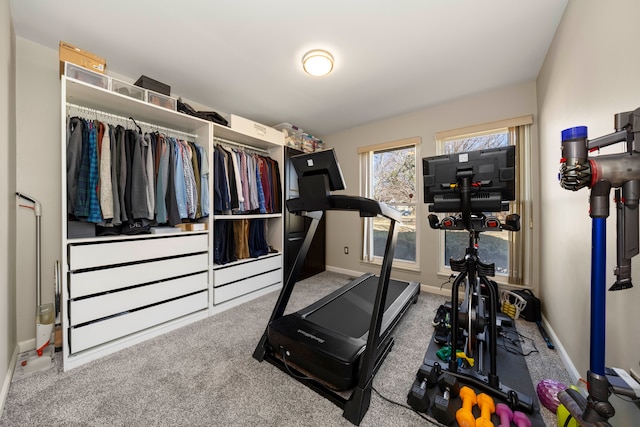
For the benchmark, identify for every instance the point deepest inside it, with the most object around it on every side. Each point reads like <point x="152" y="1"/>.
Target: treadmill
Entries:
<point x="328" y="345"/>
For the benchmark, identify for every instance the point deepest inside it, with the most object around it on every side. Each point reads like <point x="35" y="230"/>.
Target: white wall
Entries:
<point x="590" y="73"/>
<point x="7" y="197"/>
<point x="343" y="228"/>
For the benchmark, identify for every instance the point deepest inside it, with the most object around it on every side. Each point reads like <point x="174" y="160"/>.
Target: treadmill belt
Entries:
<point x="350" y="313"/>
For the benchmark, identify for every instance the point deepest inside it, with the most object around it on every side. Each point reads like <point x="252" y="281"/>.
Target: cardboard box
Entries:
<point x="75" y="55"/>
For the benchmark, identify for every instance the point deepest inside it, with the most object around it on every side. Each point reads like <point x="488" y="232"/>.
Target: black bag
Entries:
<point x="532" y="311"/>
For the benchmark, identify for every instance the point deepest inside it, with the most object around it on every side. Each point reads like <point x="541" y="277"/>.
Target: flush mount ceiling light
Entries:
<point x="317" y="62"/>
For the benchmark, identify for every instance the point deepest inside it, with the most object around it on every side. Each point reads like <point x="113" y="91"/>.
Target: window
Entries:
<point x="388" y="174"/>
<point x="508" y="250"/>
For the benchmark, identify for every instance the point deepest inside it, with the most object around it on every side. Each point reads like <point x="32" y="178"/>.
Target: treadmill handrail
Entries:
<point x="366" y="206"/>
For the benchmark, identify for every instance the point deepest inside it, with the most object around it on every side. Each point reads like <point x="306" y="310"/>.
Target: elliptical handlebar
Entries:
<point x="479" y="223"/>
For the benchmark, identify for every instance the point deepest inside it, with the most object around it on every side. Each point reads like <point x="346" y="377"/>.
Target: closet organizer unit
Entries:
<point x="121" y="289"/>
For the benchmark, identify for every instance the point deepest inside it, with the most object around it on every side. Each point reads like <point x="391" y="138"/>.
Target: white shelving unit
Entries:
<point x="120" y="290"/>
<point x="242" y="280"/>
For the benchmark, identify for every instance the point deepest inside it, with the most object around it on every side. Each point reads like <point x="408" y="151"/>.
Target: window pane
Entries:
<point x="493" y="247"/>
<point x="406" y="243"/>
<point x="480" y="142"/>
<point x="394" y="181"/>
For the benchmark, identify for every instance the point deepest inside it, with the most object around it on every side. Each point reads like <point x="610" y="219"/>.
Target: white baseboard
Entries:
<point x="26" y="345"/>
<point x="343" y="271"/>
<point x="6" y="383"/>
<point x="568" y="364"/>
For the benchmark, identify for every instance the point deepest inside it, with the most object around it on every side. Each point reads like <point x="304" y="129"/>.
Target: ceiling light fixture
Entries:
<point x="317" y="62"/>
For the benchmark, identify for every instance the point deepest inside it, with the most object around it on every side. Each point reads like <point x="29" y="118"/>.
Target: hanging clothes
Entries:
<point x="87" y="205"/>
<point x="124" y="180"/>
<point x="245" y="182"/>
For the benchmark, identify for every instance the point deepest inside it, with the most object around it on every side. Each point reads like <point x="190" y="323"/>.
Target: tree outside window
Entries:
<point x="389" y="176"/>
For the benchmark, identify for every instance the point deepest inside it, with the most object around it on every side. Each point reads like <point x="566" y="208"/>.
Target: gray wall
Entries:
<point x="590" y="73"/>
<point x="7" y="197"/>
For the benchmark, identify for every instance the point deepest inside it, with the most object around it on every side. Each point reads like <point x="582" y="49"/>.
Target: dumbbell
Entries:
<point x="417" y="397"/>
<point x="464" y="416"/>
<point x="520" y="419"/>
<point x="487" y="407"/>
<point x="507" y="415"/>
<point x="442" y="409"/>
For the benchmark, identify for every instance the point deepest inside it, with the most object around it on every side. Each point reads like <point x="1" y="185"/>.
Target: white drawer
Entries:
<point x="110" y="279"/>
<point x="242" y="287"/>
<point x="88" y="309"/>
<point x="101" y="332"/>
<point x="236" y="272"/>
<point x="125" y="251"/>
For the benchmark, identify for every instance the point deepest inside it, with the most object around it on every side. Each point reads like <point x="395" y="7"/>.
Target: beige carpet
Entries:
<point x="204" y="375"/>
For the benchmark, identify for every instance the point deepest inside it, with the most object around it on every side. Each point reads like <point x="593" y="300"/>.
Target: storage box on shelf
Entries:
<point x="126" y="89"/>
<point x="255" y="130"/>
<point x="154" y="85"/>
<point x="296" y="138"/>
<point x="84" y="75"/>
<point x="75" y="55"/>
<point x="292" y="135"/>
<point x="161" y="100"/>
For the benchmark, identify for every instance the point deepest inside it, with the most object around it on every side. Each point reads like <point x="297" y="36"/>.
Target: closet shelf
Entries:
<point x="89" y="96"/>
<point x="245" y="261"/>
<point x="102" y="239"/>
<point x="249" y="216"/>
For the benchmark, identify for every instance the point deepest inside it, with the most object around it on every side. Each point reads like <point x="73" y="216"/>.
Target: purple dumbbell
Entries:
<point x="521" y="420"/>
<point x="505" y="413"/>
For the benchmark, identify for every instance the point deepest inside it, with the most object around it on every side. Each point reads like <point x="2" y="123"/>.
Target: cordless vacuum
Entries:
<point x="601" y="173"/>
<point x="42" y="357"/>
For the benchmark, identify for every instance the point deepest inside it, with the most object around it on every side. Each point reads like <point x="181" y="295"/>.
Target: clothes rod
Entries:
<point x="150" y="126"/>
<point x="237" y="144"/>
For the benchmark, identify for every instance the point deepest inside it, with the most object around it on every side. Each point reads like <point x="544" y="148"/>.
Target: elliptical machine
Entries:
<point x="622" y="172"/>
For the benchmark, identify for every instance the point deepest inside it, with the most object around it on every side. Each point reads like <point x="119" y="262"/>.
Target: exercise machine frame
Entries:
<point x="315" y="198"/>
<point x="474" y="274"/>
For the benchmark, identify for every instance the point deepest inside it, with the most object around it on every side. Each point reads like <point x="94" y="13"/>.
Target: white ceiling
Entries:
<point x="243" y="56"/>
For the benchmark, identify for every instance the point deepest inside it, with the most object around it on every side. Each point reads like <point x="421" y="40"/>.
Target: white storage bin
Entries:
<point x="161" y="100"/>
<point x="79" y="73"/>
<point x="127" y="89"/>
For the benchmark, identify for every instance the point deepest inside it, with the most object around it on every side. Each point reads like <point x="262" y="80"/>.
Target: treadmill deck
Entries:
<point x="327" y="338"/>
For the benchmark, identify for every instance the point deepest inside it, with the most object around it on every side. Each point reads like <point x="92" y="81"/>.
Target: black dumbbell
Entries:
<point x="425" y="378"/>
<point x="442" y="409"/>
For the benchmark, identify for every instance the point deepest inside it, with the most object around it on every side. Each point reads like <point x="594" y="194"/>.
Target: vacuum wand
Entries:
<point x="600" y="174"/>
<point x="37" y="210"/>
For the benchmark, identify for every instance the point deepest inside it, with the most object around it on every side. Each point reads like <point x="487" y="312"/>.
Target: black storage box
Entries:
<point x="154" y="85"/>
<point x="532" y="311"/>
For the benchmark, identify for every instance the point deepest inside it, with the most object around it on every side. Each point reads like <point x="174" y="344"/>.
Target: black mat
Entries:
<point x="512" y="372"/>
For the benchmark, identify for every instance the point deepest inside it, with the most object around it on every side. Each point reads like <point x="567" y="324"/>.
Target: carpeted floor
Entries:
<point x="204" y="374"/>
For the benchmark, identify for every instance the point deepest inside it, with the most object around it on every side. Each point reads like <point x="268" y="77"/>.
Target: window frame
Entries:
<point x="519" y="243"/>
<point x="365" y="155"/>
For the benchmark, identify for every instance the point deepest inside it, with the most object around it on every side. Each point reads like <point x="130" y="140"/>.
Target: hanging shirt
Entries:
<point x="179" y="182"/>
